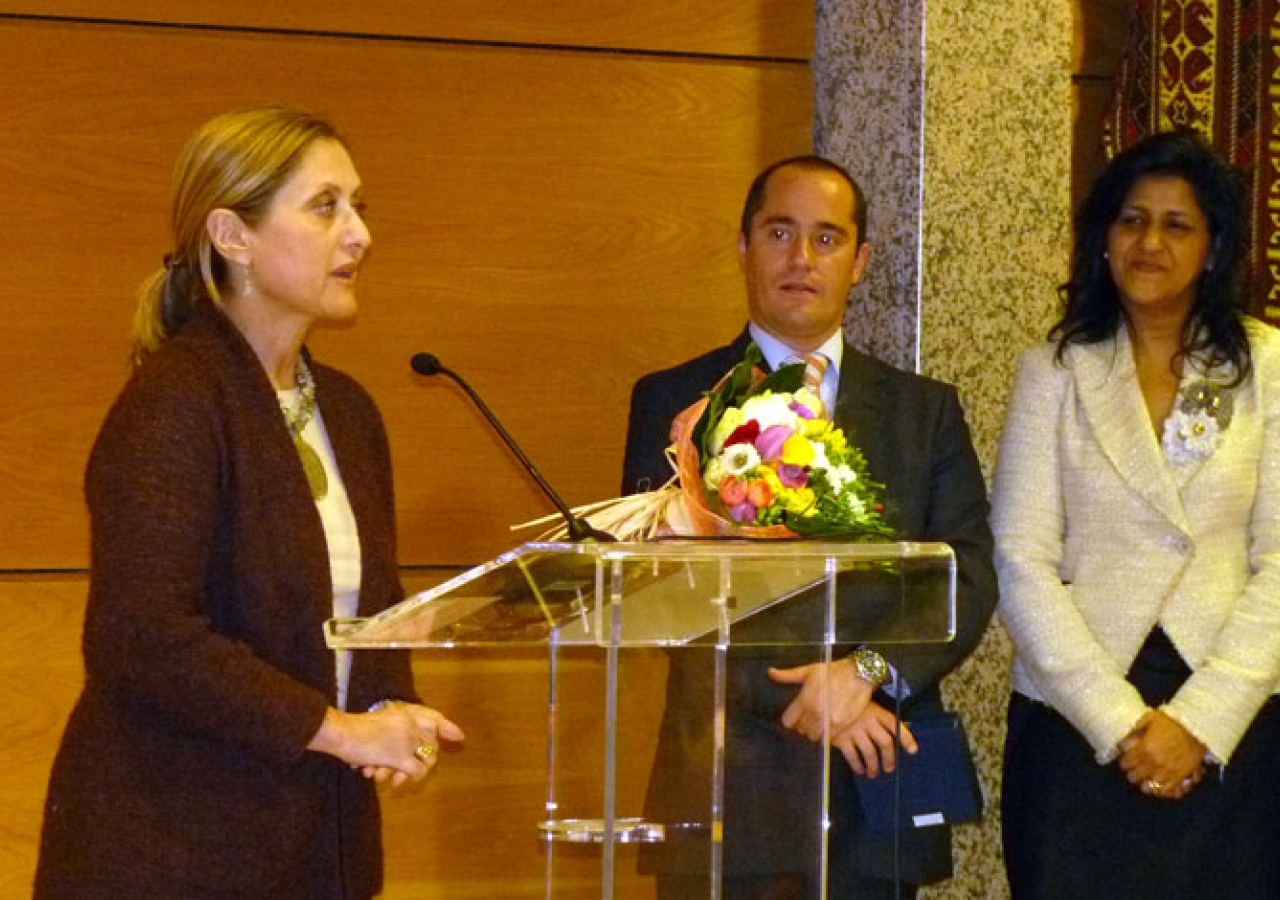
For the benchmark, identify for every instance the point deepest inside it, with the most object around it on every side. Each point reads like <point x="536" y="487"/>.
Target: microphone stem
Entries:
<point x="578" y="529"/>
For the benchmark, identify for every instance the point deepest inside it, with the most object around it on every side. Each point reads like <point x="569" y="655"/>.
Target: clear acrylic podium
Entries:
<point x="705" y="782"/>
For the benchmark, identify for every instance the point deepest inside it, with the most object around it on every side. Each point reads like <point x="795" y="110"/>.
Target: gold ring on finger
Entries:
<point x="424" y="752"/>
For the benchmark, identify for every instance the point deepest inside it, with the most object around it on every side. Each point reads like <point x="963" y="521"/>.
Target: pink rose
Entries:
<point x="733" y="490"/>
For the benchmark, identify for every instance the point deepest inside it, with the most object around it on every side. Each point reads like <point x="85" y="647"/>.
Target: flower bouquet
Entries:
<point x="753" y="458"/>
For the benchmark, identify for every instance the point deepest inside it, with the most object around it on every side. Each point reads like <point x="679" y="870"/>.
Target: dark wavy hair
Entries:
<point x="1214" y="327"/>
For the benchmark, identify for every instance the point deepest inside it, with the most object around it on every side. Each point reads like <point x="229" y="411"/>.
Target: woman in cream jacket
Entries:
<point x="1137" y="521"/>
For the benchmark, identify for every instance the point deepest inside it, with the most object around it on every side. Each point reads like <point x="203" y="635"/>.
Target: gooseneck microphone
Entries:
<point x="429" y="364"/>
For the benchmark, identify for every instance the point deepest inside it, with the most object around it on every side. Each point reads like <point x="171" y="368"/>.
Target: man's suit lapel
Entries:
<point x="1106" y="382"/>
<point x="734" y="353"/>
<point x="858" y="405"/>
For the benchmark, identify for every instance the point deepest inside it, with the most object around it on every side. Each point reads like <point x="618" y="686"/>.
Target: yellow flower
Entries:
<point x="816" y="429"/>
<point x="836" y="442"/>
<point x="799" y="501"/>
<point x="769" y="474"/>
<point x="797" y="451"/>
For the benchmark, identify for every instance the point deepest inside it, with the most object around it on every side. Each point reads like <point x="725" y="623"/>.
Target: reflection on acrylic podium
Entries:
<point x="627" y="796"/>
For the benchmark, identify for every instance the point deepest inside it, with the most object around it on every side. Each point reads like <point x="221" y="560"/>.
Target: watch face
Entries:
<point x="872" y="667"/>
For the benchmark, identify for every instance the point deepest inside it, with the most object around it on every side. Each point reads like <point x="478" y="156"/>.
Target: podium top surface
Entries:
<point x="677" y="593"/>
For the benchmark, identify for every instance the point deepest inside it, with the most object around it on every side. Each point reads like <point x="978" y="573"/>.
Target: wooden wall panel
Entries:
<point x="552" y="224"/>
<point x="471" y="832"/>
<point x="40" y="677"/>
<point x="756" y="28"/>
<point x="1101" y="29"/>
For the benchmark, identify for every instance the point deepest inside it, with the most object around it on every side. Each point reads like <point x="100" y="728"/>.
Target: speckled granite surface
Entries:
<point x="993" y="214"/>
<point x="868" y="110"/>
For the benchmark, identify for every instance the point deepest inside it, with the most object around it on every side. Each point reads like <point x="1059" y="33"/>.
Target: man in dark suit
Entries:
<point x="802" y="247"/>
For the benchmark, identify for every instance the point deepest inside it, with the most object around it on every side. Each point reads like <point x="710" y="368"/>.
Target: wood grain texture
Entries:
<point x="479" y="814"/>
<point x="470" y="833"/>
<point x="40" y="677"/>
<point x="1101" y="30"/>
<point x="552" y="224"/>
<point x="759" y="28"/>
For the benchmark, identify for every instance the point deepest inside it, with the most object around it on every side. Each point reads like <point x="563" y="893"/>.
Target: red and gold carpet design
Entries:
<point x="1212" y="65"/>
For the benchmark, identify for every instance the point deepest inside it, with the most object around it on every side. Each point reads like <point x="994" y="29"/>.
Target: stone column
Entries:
<point x="868" y="110"/>
<point x="992" y="212"/>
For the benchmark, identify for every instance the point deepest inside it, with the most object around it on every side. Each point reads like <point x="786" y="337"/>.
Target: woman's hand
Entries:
<point x="393" y="745"/>
<point x="1161" y="757"/>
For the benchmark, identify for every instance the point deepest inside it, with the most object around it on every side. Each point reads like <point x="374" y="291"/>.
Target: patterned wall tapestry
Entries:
<point x="1212" y="65"/>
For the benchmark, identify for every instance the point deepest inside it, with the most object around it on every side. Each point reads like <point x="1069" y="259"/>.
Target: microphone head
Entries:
<point x="426" y="364"/>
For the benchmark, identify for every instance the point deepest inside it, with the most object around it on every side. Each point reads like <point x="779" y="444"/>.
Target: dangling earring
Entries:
<point x="247" y="282"/>
<point x="1106" y="254"/>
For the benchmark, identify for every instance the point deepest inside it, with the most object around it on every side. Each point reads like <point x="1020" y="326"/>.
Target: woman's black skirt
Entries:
<point x="1076" y="830"/>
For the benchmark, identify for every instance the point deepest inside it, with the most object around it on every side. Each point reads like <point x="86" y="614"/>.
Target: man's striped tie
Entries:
<point x="815" y="366"/>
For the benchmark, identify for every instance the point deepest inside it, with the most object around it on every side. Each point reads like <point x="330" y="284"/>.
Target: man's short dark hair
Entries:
<point x="755" y="194"/>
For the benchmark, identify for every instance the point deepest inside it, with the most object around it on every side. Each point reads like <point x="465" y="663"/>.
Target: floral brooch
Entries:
<point x="1192" y="431"/>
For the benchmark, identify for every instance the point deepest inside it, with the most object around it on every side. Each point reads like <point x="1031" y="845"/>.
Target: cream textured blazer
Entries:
<point x="1100" y="536"/>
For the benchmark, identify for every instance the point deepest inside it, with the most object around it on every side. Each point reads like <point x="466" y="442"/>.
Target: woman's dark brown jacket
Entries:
<point x="183" y="771"/>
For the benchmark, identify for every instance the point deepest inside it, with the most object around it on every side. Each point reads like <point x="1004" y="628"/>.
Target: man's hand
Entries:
<point x="869" y="744"/>
<point x="849" y="692"/>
